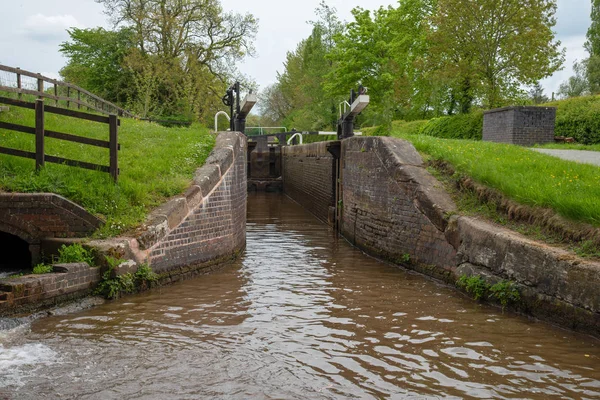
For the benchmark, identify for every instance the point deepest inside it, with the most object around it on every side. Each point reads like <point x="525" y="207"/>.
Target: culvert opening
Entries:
<point x="15" y="256"/>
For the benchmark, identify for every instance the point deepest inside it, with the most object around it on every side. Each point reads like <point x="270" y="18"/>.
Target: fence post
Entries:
<point x="55" y="95"/>
<point x="39" y="134"/>
<point x="113" y="126"/>
<point x="68" y="96"/>
<point x="78" y="99"/>
<point x="40" y="88"/>
<point x="19" y="85"/>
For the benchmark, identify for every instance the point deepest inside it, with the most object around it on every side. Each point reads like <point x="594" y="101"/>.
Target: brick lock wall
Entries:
<point x="308" y="177"/>
<point x="216" y="228"/>
<point x="36" y="290"/>
<point x="523" y="126"/>
<point x="389" y="208"/>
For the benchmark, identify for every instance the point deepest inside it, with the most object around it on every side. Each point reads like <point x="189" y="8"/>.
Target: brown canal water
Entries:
<point x="301" y="315"/>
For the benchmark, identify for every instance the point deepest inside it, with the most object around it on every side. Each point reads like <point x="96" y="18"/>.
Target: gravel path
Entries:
<point x="581" y="156"/>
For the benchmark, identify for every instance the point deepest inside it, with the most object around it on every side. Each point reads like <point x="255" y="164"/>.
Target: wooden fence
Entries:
<point x="41" y="133"/>
<point x="67" y="93"/>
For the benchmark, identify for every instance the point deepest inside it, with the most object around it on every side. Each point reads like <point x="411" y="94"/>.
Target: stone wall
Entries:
<point x="523" y="126"/>
<point x="308" y="176"/>
<point x="394" y="209"/>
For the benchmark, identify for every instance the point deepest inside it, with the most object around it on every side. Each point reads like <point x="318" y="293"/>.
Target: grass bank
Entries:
<point x="155" y="162"/>
<point x="572" y="190"/>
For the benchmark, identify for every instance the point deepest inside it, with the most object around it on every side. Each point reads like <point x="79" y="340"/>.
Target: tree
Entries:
<point x="364" y="56"/>
<point x="386" y="51"/>
<point x="577" y="85"/>
<point x="195" y="30"/>
<point x="95" y="61"/>
<point x="592" y="45"/>
<point x="536" y="94"/>
<point x="298" y="98"/>
<point x="184" y="55"/>
<point x="273" y="105"/>
<point x="494" y="47"/>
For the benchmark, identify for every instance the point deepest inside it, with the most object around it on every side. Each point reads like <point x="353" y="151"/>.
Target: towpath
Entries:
<point x="581" y="156"/>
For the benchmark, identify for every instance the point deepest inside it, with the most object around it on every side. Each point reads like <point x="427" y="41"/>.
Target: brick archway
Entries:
<point x="17" y="253"/>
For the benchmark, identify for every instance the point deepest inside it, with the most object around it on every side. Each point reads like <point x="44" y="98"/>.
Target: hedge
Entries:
<point x="462" y="126"/>
<point x="579" y="118"/>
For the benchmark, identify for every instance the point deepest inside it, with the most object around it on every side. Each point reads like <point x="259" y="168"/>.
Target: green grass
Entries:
<point x="155" y="163"/>
<point x="570" y="189"/>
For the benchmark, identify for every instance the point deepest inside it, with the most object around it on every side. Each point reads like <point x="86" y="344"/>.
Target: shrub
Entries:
<point x="578" y="118"/>
<point x="408" y="127"/>
<point x="112" y="287"/>
<point x="144" y="274"/>
<point x="462" y="126"/>
<point x="42" y="269"/>
<point x="505" y="292"/>
<point x="73" y="254"/>
<point x="475" y="285"/>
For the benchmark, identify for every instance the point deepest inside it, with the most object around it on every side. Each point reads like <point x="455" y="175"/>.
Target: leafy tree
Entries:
<point x="592" y="45"/>
<point x="274" y="105"/>
<point x="364" y="56"/>
<point x="298" y="98"/>
<point x="577" y="85"/>
<point x="195" y="30"/>
<point x="494" y="47"/>
<point x="95" y="61"/>
<point x="536" y="94"/>
<point x="181" y="57"/>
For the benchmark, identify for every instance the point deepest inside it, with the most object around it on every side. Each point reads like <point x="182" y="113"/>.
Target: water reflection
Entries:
<point x="302" y="315"/>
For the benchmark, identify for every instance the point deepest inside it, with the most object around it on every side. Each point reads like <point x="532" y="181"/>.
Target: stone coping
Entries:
<point x="519" y="108"/>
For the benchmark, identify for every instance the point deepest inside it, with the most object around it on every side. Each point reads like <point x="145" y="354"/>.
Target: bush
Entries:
<point x="42" y="269"/>
<point x="578" y="118"/>
<point x="475" y="285"/>
<point x="73" y="254"/>
<point x="112" y="286"/>
<point x="408" y="127"/>
<point x="462" y="126"/>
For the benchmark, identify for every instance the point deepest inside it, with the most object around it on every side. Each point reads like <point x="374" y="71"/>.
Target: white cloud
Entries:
<point x="49" y="28"/>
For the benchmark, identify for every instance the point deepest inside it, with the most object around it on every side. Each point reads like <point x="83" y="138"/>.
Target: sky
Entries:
<point x="31" y="36"/>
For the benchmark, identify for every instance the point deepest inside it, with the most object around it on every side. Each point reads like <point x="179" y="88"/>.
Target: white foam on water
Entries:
<point x="19" y="362"/>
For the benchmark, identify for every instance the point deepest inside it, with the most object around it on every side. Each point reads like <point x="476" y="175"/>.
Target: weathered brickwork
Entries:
<point x="308" y="172"/>
<point x="216" y="227"/>
<point x="33" y="216"/>
<point x="523" y="126"/>
<point x="385" y="210"/>
<point x="67" y="280"/>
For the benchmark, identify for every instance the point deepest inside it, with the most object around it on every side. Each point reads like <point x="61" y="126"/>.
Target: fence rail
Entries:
<point x="63" y="91"/>
<point x="41" y="133"/>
